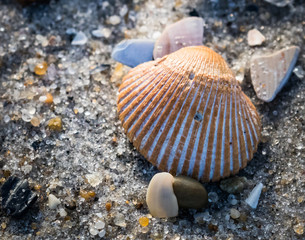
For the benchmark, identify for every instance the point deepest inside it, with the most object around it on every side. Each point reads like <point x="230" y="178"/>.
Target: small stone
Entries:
<point x="93" y="231"/>
<point x="94" y="179"/>
<point x="232" y="200"/>
<point x="87" y="195"/>
<point x="53" y="201"/>
<point x="253" y="198"/>
<point x="119" y="220"/>
<point x="62" y="212"/>
<point x="49" y="98"/>
<point x="102" y="234"/>
<point x="114" y="20"/>
<point x="108" y="206"/>
<point x="79" y="39"/>
<point x="189" y="192"/>
<point x="144" y="221"/>
<point x="133" y="52"/>
<point x="17" y="197"/>
<point x="270" y="72"/>
<point x="255" y="38"/>
<point x="233" y="184"/>
<point x="35" y="121"/>
<point x="3" y="225"/>
<point x="99" y="225"/>
<point x="55" y="124"/>
<point x="234" y="213"/>
<point x="213" y="197"/>
<point x="41" y="68"/>
<point x="299" y="228"/>
<point x="160" y="197"/>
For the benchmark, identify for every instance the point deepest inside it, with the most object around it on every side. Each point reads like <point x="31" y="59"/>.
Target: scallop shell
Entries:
<point x="186" y="113"/>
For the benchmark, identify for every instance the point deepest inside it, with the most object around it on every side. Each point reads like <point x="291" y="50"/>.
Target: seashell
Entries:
<point x="133" y="52"/>
<point x="186" y="32"/>
<point x="254" y="196"/>
<point x="186" y="114"/>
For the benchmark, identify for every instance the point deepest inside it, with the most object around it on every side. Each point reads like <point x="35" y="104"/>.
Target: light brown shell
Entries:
<point x="187" y="114"/>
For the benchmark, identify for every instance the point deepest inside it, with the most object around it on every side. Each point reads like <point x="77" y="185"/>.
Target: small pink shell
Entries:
<point x="186" y="32"/>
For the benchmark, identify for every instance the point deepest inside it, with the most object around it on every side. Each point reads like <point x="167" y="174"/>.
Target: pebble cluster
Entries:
<point x="59" y="129"/>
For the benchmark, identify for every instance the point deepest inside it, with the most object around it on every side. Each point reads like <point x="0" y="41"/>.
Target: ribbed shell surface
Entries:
<point x="187" y="115"/>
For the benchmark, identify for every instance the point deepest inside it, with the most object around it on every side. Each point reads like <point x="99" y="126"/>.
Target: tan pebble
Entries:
<point x="234" y="213"/>
<point x="160" y="197"/>
<point x="299" y="228"/>
<point x="35" y="121"/>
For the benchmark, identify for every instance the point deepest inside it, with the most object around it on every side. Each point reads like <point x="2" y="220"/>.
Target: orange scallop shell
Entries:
<point x="186" y="113"/>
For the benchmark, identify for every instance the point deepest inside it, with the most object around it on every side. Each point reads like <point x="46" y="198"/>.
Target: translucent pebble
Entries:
<point x="6" y="118"/>
<point x="213" y="197"/>
<point x="114" y="20"/>
<point x="42" y="98"/>
<point x="144" y="221"/>
<point x="119" y="220"/>
<point x="93" y="231"/>
<point x="26" y="116"/>
<point x="79" y="39"/>
<point x="102" y="233"/>
<point x="41" y="68"/>
<point x="62" y="212"/>
<point x="232" y="200"/>
<point x="98" y="33"/>
<point x="99" y="225"/>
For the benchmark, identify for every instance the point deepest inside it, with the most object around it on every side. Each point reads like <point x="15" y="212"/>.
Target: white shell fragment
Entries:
<point x="255" y="38"/>
<point x="186" y="32"/>
<point x="160" y="197"/>
<point x="253" y="198"/>
<point x="269" y="73"/>
<point x="133" y="52"/>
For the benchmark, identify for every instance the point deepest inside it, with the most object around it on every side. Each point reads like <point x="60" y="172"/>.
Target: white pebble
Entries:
<point x="114" y="20"/>
<point x="99" y="225"/>
<point x="62" y="212"/>
<point x="102" y="233"/>
<point x="53" y="201"/>
<point x="160" y="197"/>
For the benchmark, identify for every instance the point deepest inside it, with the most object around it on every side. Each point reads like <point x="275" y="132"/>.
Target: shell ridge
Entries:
<point x="186" y="146"/>
<point x="242" y="139"/>
<point x="212" y="166"/>
<point x="138" y="111"/>
<point x="133" y="77"/>
<point x="183" y="156"/>
<point x="255" y="124"/>
<point x="205" y="146"/>
<point x="181" y="125"/>
<point x="176" y="142"/>
<point x="141" y="128"/>
<point x="251" y="123"/>
<point x="223" y="139"/>
<point x="236" y="138"/>
<point x="151" y="129"/>
<point x="245" y="130"/>
<point x="131" y="95"/>
<point x="250" y="130"/>
<point x="139" y="97"/>
<point x="169" y="132"/>
<point x="231" y="133"/>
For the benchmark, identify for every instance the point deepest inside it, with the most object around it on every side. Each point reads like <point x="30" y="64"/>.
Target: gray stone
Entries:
<point x="189" y="192"/>
<point x="234" y="184"/>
